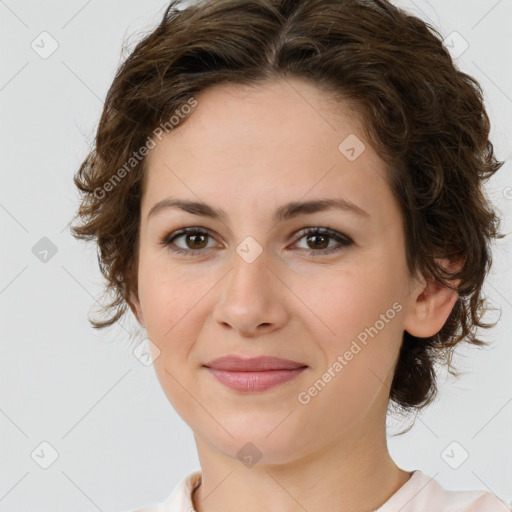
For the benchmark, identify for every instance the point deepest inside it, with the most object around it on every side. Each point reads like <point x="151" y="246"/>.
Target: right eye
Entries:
<point x="194" y="236"/>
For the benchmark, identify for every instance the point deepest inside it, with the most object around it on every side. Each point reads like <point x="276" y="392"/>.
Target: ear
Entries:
<point x="430" y="306"/>
<point x="134" y="304"/>
<point x="133" y="301"/>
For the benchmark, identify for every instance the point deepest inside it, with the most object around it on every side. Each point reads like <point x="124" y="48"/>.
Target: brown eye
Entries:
<point x="197" y="240"/>
<point x="192" y="240"/>
<point x="318" y="240"/>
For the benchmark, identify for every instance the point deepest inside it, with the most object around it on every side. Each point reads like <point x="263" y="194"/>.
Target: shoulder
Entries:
<point x="425" y="494"/>
<point x="479" y="501"/>
<point x="180" y="499"/>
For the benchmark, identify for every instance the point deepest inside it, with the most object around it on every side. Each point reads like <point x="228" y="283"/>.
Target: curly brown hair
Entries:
<point x="423" y="116"/>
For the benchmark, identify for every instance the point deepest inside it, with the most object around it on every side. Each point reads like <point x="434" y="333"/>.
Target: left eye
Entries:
<point x="320" y="237"/>
<point x="198" y="238"/>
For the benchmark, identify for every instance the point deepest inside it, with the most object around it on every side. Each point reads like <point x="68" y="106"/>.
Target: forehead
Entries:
<point x="270" y="143"/>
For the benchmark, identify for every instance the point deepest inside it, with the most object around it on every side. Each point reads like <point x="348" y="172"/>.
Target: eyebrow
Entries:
<point x="284" y="212"/>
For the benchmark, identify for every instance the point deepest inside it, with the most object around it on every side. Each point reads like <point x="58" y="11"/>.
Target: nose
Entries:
<point x="252" y="299"/>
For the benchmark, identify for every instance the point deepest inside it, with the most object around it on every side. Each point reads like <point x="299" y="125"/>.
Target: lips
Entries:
<point x="256" y="374"/>
<point x="253" y="364"/>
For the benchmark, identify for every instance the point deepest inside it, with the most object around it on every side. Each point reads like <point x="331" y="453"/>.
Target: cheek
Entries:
<point x="171" y="309"/>
<point x="174" y="312"/>
<point x="164" y="296"/>
<point x="342" y="298"/>
<point x="357" y="307"/>
<point x="361" y="310"/>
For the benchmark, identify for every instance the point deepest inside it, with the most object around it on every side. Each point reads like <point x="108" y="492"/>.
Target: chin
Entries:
<point x="258" y="443"/>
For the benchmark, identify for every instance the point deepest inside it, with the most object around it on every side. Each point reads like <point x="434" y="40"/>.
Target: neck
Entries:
<point x="355" y="474"/>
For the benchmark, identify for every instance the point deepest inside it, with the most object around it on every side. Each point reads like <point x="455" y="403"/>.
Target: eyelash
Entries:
<point x="343" y="240"/>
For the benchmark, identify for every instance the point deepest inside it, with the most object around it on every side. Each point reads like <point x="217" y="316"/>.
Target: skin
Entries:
<point x="248" y="150"/>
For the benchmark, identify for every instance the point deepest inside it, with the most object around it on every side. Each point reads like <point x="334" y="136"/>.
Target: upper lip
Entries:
<point x="253" y="364"/>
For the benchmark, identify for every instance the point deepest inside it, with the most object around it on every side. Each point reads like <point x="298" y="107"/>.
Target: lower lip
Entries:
<point x="248" y="382"/>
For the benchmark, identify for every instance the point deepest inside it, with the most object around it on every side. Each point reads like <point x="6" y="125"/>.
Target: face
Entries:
<point x="251" y="284"/>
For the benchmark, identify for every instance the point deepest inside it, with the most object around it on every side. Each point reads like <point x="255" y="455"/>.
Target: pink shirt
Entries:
<point x="420" y="493"/>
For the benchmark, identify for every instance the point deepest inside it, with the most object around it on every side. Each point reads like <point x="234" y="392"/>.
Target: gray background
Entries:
<point x="120" y="444"/>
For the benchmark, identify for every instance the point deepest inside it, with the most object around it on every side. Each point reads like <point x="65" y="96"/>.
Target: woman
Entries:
<point x="288" y="194"/>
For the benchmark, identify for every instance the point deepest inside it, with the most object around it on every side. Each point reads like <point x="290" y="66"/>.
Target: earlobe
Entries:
<point x="431" y="306"/>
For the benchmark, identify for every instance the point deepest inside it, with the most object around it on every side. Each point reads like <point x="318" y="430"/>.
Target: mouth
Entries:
<point x="254" y="374"/>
